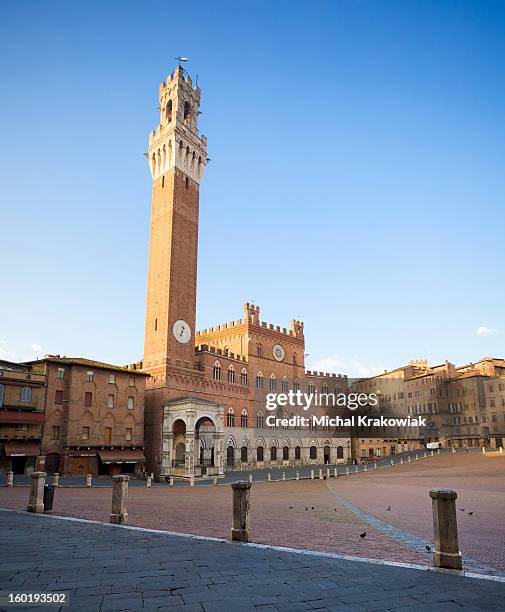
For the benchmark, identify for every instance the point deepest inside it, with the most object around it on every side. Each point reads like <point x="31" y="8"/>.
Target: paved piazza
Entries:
<point x="104" y="568"/>
<point x="325" y="515"/>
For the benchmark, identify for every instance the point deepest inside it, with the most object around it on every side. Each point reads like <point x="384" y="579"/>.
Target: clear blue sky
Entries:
<point x="357" y="178"/>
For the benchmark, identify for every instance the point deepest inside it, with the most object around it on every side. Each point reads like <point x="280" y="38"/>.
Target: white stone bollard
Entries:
<point x="171" y="481"/>
<point x="401" y="459"/>
<point x="483" y="450"/>
<point x="347" y="471"/>
<point x="283" y="475"/>
<point x="501" y="449"/>
<point x="392" y="462"/>
<point x="328" y="474"/>
<point x="425" y="455"/>
<point x="56" y="479"/>
<point x="431" y="454"/>
<point x="320" y="474"/>
<point x="438" y="451"/>
<point x="453" y="450"/>
<point x="88" y="480"/>
<point x="119" y="512"/>
<point x="409" y="459"/>
<point x="375" y="466"/>
<point x="416" y="457"/>
<point x="335" y="472"/>
<point x="365" y="468"/>
<point x="250" y="478"/>
<point x="36" y="500"/>
<point x="269" y="477"/>
<point x="297" y="476"/>
<point x="445" y="528"/>
<point x="214" y="480"/>
<point x="152" y="476"/>
<point x="241" y="528"/>
<point x="191" y="481"/>
<point x="148" y="482"/>
<point x="356" y="469"/>
<point x="312" y="474"/>
<point x="10" y="479"/>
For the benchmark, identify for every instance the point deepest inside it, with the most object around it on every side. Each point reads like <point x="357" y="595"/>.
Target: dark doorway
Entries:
<point x="327" y="454"/>
<point x="52" y="463"/>
<point x="18" y="465"/>
<point x="298" y="452"/>
<point x="230" y="456"/>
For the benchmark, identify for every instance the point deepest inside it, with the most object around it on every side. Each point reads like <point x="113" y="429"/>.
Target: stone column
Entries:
<point x="36" y="501"/>
<point x="241" y="529"/>
<point x="218" y="453"/>
<point x="56" y="479"/>
<point x="189" y="458"/>
<point x="119" y="499"/>
<point x="10" y="479"/>
<point x="88" y="480"/>
<point x="445" y="528"/>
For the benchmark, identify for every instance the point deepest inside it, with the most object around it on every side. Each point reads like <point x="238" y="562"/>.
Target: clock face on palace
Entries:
<point x="278" y="352"/>
<point x="182" y="331"/>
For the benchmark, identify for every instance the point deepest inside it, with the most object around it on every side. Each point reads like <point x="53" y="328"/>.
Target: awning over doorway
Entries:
<point x="122" y="456"/>
<point x="18" y="449"/>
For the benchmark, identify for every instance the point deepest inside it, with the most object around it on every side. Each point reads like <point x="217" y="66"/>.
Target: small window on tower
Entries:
<point x="187" y="111"/>
<point x="168" y="111"/>
<point x="187" y="183"/>
<point x="155" y="324"/>
<point x="162" y="182"/>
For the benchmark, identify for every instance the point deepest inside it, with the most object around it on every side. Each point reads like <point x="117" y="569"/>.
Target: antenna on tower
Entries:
<point x="181" y="59"/>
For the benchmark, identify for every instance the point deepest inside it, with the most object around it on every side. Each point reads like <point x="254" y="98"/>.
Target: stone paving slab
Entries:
<point x="107" y="568"/>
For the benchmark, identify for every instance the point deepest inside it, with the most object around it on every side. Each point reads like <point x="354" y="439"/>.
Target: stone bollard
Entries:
<point x="347" y="471"/>
<point x="438" y="451"/>
<point x="283" y="475"/>
<point x="152" y="476"/>
<point x="392" y="462"/>
<point x="297" y="476"/>
<point x="119" y="512"/>
<point x="241" y="529"/>
<point x="56" y="479"/>
<point x="88" y="480"/>
<point x="36" y="501"/>
<point x="269" y="477"/>
<point x="10" y="479"/>
<point x="409" y="459"/>
<point x="401" y="459"/>
<point x="328" y="474"/>
<point x="312" y="474"/>
<point x="215" y="480"/>
<point x="320" y="474"/>
<point x="356" y="469"/>
<point x="365" y="468"/>
<point x="171" y="481"/>
<point x="453" y="450"/>
<point x="445" y="529"/>
<point x="191" y="481"/>
<point x="250" y="478"/>
<point x="425" y="455"/>
<point x="416" y="457"/>
<point x="335" y="472"/>
<point x="431" y="454"/>
<point x="148" y="482"/>
<point x="375" y="466"/>
<point x="501" y="449"/>
<point x="483" y="450"/>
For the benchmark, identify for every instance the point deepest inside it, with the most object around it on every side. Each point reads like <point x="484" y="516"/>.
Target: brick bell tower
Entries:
<point x="177" y="159"/>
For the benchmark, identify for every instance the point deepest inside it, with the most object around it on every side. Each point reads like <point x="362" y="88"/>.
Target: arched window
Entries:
<point x="259" y="453"/>
<point x="230" y="456"/>
<point x="168" y="111"/>
<point x="187" y="111"/>
<point x="296" y="385"/>
<point x="273" y="453"/>
<point x="243" y="454"/>
<point x="273" y="382"/>
<point x="231" y="375"/>
<point x="340" y="452"/>
<point x="284" y="385"/>
<point x="259" y="380"/>
<point x="324" y="389"/>
<point x="243" y="418"/>
<point x="285" y="417"/>
<point x="243" y="378"/>
<point x="285" y="453"/>
<point x="311" y="388"/>
<point x="259" y="350"/>
<point x="260" y="420"/>
<point x="216" y="371"/>
<point x="297" y="453"/>
<point x="313" y="452"/>
<point x="230" y="418"/>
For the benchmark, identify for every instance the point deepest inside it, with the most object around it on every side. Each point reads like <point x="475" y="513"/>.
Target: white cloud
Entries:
<point x="36" y="348"/>
<point x="354" y="368"/>
<point x="486" y="331"/>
